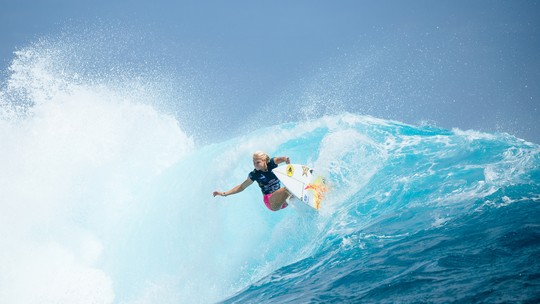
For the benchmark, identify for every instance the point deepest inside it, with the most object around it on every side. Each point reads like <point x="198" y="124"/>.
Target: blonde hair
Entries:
<point x="261" y="155"/>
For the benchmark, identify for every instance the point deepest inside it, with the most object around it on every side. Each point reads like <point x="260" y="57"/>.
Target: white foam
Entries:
<point x="71" y="167"/>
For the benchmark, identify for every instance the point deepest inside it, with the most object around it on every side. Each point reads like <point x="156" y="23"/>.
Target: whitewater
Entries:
<point x="106" y="198"/>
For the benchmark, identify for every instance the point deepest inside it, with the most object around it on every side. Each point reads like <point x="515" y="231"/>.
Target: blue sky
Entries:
<point x="465" y="64"/>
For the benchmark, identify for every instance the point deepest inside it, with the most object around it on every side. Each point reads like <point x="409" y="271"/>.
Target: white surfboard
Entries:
<point x="303" y="183"/>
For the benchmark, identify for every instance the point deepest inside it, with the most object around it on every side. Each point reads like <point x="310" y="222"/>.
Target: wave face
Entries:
<point x="416" y="214"/>
<point x="105" y="198"/>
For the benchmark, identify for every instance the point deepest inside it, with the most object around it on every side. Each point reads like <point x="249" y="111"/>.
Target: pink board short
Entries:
<point x="267" y="202"/>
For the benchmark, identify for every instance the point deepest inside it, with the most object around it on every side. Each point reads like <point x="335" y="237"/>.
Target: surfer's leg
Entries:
<point x="278" y="199"/>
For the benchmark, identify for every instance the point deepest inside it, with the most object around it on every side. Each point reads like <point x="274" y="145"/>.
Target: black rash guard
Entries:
<point x="268" y="181"/>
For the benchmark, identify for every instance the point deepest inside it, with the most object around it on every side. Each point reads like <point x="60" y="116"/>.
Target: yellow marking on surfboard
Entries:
<point x="290" y="170"/>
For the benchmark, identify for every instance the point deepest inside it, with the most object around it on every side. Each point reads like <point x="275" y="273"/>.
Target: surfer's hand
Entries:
<point x="287" y="160"/>
<point x="216" y="193"/>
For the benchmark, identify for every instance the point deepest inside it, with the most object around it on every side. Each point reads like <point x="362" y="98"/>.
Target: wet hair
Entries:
<point x="261" y="155"/>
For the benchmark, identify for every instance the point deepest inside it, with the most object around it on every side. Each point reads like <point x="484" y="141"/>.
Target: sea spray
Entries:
<point x="74" y="157"/>
<point x="106" y="198"/>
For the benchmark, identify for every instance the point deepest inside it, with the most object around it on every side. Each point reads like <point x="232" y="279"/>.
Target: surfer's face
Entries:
<point x="259" y="164"/>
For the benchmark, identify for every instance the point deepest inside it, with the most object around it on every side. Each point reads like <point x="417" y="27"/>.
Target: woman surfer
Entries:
<point x="274" y="197"/>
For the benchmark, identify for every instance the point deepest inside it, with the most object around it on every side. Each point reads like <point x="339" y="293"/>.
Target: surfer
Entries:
<point x="274" y="196"/>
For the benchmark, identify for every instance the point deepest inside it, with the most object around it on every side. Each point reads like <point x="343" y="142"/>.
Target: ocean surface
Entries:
<point x="106" y="198"/>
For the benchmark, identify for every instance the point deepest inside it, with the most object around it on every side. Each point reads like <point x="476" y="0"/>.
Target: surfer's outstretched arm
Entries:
<point x="236" y="189"/>
<point x="282" y="159"/>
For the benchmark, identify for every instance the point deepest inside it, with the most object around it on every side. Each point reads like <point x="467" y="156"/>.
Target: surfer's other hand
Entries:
<point x="216" y="193"/>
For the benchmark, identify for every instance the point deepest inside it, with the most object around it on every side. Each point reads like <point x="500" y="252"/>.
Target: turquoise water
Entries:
<point x="106" y="198"/>
<point x="417" y="214"/>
